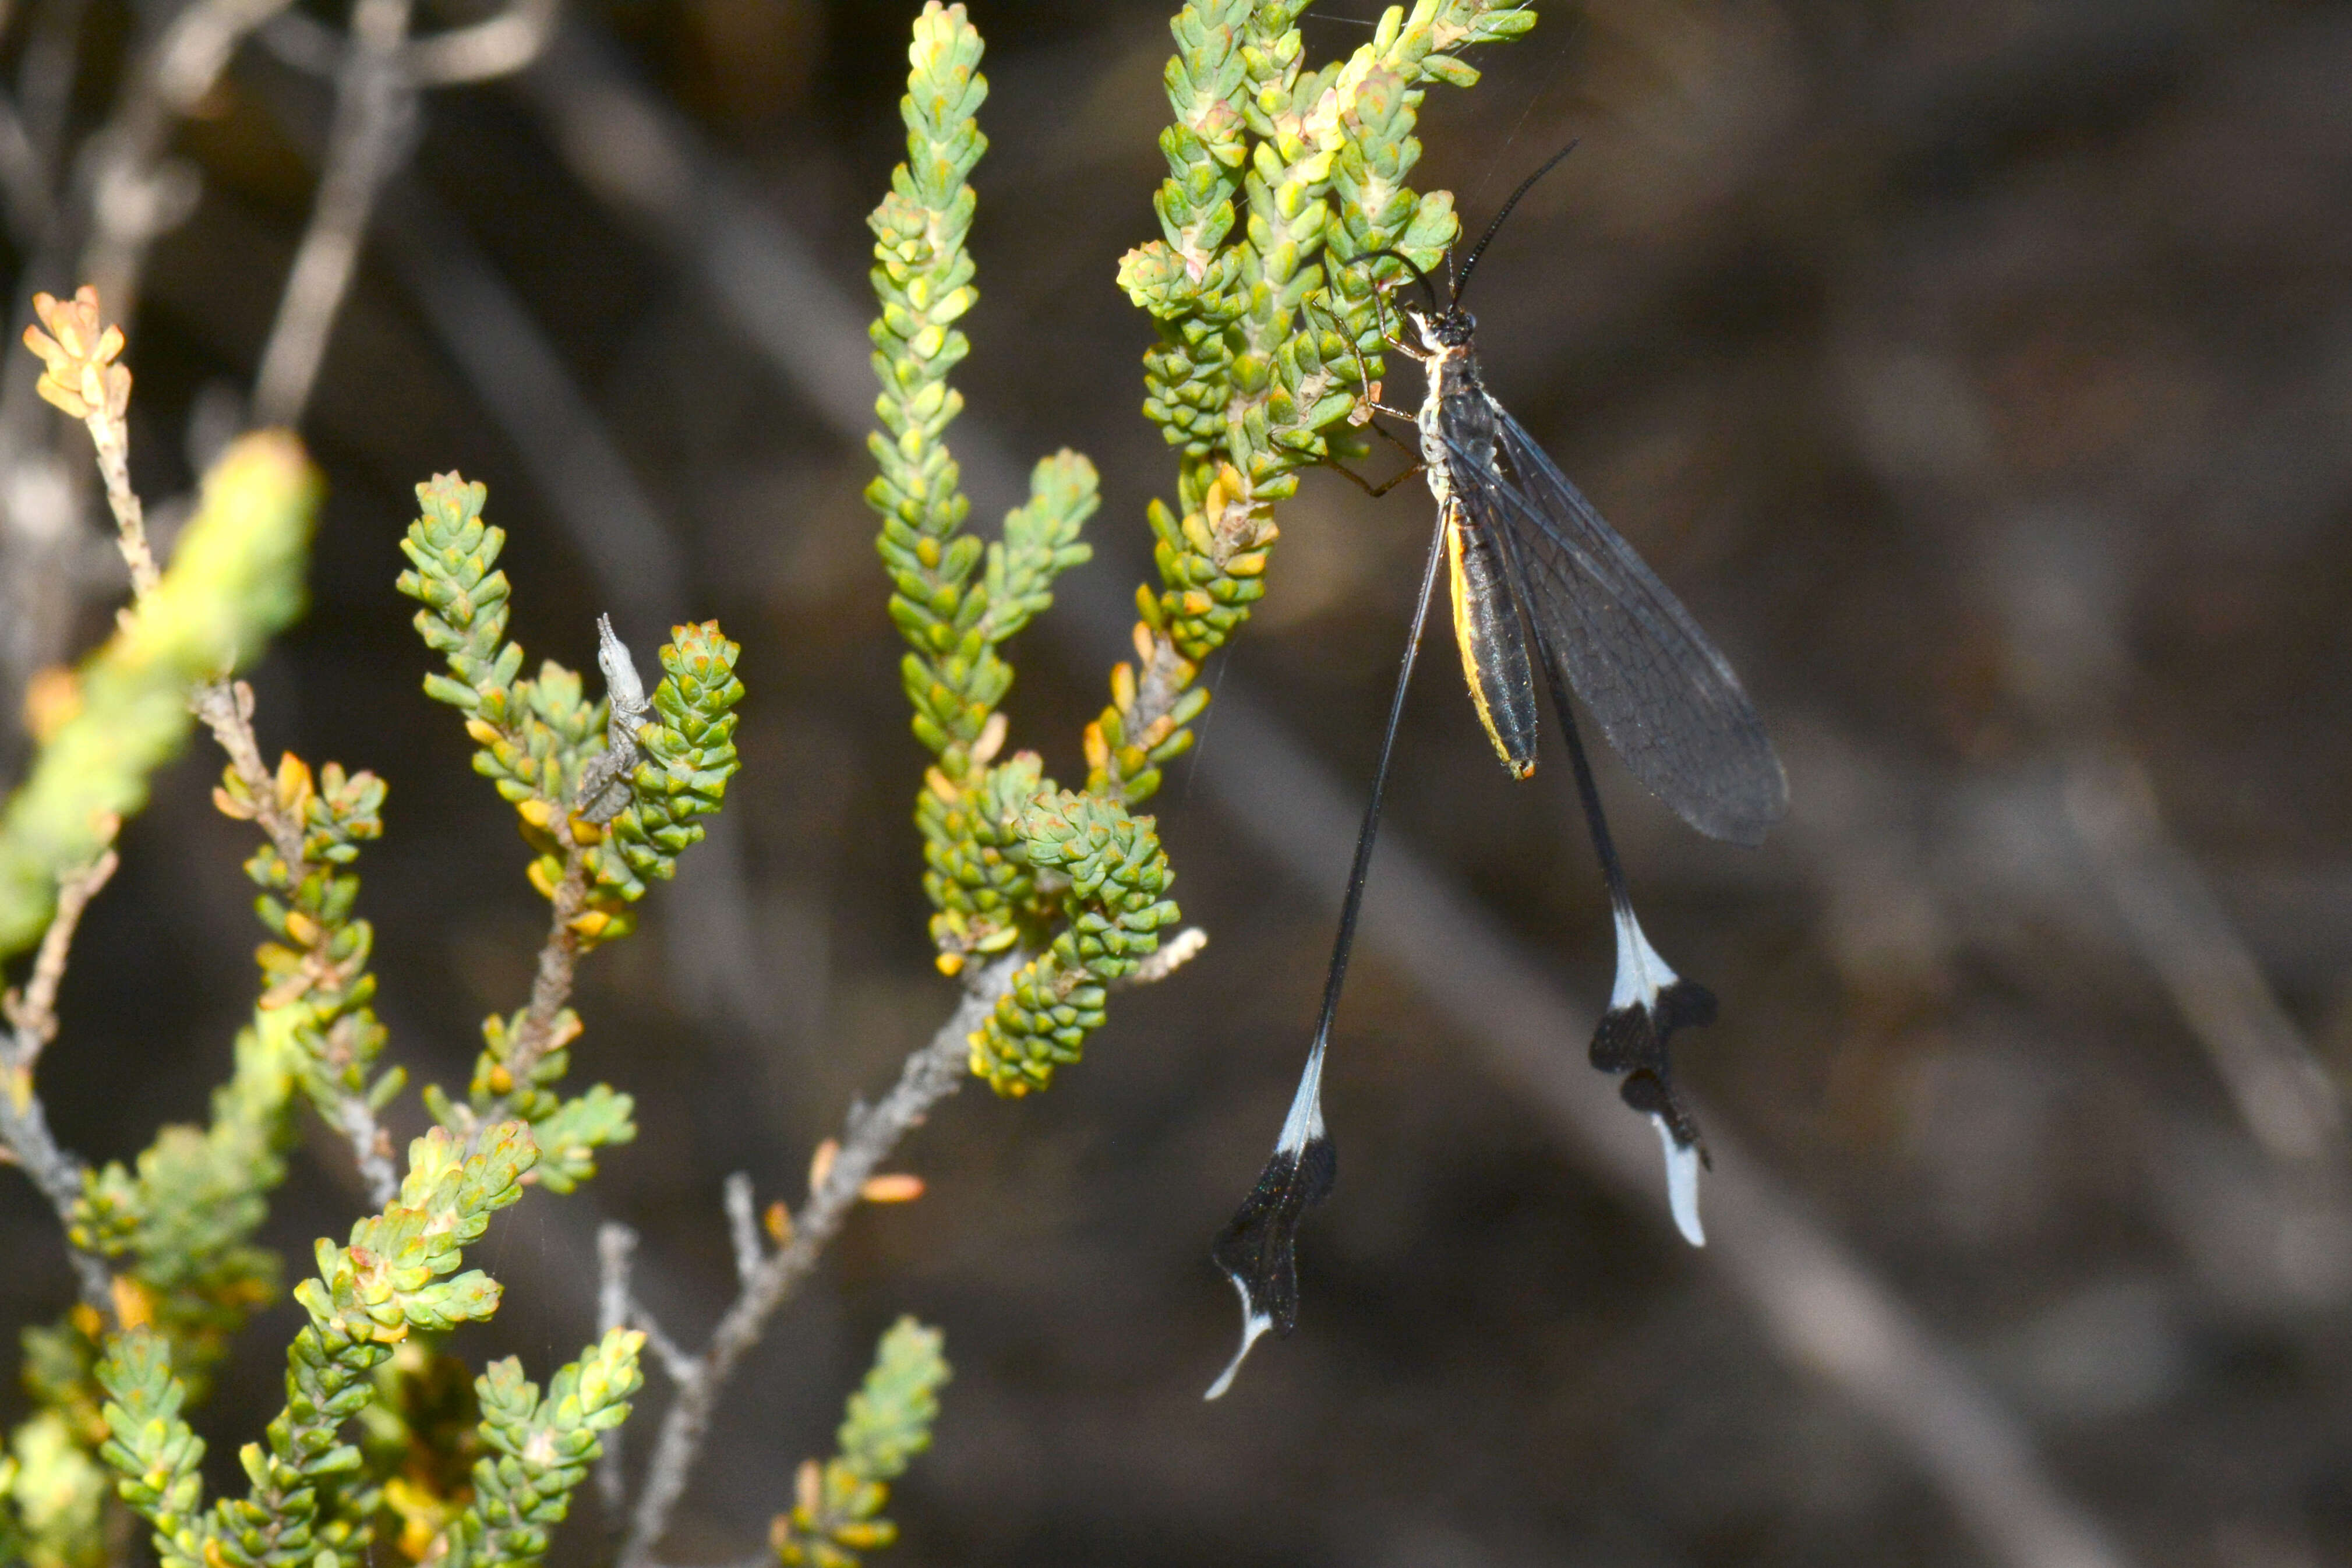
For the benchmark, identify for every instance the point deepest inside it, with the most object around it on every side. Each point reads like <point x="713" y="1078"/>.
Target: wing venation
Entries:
<point x="1662" y="694"/>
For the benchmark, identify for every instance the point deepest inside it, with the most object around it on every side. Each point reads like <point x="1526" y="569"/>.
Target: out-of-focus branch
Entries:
<point x="22" y="186"/>
<point x="525" y="386"/>
<point x="495" y="47"/>
<point x="123" y="192"/>
<point x="616" y="1246"/>
<point x="638" y="156"/>
<point x="2061" y="588"/>
<point x="742" y="1227"/>
<point x="869" y="1135"/>
<point x="380" y="76"/>
<point x="32" y="1021"/>
<point x="499" y="46"/>
<point x="2179" y="930"/>
<point x="32" y="1013"/>
<point x="44" y="79"/>
<point x="134" y="194"/>
<point x="375" y="108"/>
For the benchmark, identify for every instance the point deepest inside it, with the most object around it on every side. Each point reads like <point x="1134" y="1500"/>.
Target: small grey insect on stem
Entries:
<point x="605" y="782"/>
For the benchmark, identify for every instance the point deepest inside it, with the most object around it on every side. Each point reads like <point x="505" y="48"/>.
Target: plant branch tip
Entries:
<point x="1174" y="954"/>
<point x="80" y="374"/>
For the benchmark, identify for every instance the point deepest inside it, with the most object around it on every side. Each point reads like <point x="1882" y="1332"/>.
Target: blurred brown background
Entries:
<point x="1979" y="372"/>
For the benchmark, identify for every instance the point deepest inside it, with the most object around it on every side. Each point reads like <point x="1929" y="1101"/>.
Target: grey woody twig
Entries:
<point x="743" y="1228"/>
<point x="1175" y="953"/>
<point x="24" y="1129"/>
<point x="679" y="1366"/>
<point x="2283" y="1094"/>
<point x="136" y="194"/>
<point x="227" y="709"/>
<point x="481" y="51"/>
<point x="32" y="1021"/>
<point x="616" y="1248"/>
<point x="81" y="375"/>
<point x="374" y="106"/>
<point x="869" y="1134"/>
<point x="552" y="980"/>
<point x="32" y="1013"/>
<point x="379" y="76"/>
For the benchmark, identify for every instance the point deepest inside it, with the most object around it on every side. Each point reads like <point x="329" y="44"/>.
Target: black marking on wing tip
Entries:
<point x="1634" y="1039"/>
<point x="1258" y="1247"/>
<point x="1653" y="1094"/>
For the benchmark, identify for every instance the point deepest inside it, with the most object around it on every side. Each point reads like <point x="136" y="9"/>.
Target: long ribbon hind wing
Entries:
<point x="1664" y="695"/>
<point x="1258" y="1249"/>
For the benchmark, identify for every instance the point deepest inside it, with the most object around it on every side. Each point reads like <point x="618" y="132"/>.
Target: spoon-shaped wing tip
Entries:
<point x="1253" y="1323"/>
<point x="1681" y="1182"/>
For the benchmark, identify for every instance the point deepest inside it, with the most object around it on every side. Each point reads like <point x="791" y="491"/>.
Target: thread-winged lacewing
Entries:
<point x="1538" y="581"/>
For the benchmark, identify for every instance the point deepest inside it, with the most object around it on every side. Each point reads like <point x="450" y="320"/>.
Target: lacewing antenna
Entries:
<point x="1455" y="282"/>
<point x="1479" y="249"/>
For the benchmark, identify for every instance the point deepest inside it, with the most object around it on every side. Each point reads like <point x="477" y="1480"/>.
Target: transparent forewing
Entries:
<point x="1661" y="693"/>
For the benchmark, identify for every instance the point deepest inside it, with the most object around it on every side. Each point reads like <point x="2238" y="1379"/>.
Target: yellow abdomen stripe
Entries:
<point x="1494" y="650"/>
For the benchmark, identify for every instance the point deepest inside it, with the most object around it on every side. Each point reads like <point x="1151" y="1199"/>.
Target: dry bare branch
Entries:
<point x="868" y="1136"/>
<point x="375" y="108"/>
<point x="2282" y="1092"/>
<point x="499" y="46"/>
<point x="24" y="1124"/>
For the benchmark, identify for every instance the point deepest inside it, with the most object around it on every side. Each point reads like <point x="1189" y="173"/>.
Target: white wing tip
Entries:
<point x="1253" y="1325"/>
<point x="1681" y="1182"/>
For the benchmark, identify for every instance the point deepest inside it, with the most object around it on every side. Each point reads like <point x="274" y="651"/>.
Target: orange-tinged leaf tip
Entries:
<point x="52" y="700"/>
<point x="133" y="1307"/>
